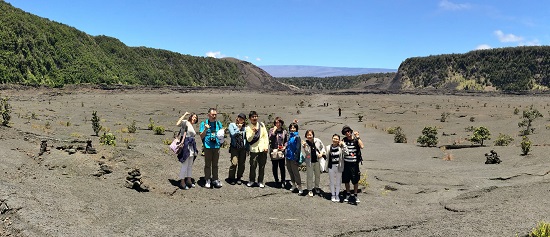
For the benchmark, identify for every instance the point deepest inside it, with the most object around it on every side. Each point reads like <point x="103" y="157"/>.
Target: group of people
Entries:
<point x="285" y="148"/>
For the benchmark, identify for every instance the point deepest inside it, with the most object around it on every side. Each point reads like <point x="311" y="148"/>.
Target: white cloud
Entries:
<point x="448" y="5"/>
<point x="246" y="57"/>
<point x="216" y="54"/>
<point x="258" y="59"/>
<point x="483" y="46"/>
<point x="506" y="38"/>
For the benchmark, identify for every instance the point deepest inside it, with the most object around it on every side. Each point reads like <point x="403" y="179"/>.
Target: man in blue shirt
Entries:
<point x="208" y="131"/>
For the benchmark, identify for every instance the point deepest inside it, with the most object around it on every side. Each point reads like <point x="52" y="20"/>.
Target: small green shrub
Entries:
<point x="132" y="127"/>
<point x="542" y="230"/>
<point x="95" y="123"/>
<point x="151" y="124"/>
<point x="399" y="136"/>
<point x="528" y="116"/>
<point x="159" y="130"/>
<point x="5" y="110"/>
<point x="480" y="135"/>
<point x="444" y="116"/>
<point x="429" y="137"/>
<point x="525" y="145"/>
<point x="107" y="139"/>
<point x="391" y="130"/>
<point x="472" y="119"/>
<point x="516" y="111"/>
<point x="503" y="140"/>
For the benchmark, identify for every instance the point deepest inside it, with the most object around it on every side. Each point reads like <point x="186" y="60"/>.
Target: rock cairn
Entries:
<point x="492" y="158"/>
<point x="43" y="147"/>
<point x="89" y="148"/>
<point x="133" y="181"/>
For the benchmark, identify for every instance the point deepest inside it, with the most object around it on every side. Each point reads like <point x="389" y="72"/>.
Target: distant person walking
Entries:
<point x="238" y="149"/>
<point x="313" y="149"/>
<point x="208" y="132"/>
<point x="257" y="138"/>
<point x="339" y="112"/>
<point x="278" y="138"/>
<point x="292" y="155"/>
<point x="336" y="152"/>
<point x="187" y="156"/>
<point x="351" y="171"/>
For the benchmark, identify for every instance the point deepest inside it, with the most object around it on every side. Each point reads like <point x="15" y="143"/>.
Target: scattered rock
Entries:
<point x="133" y="181"/>
<point x="492" y="158"/>
<point x="71" y="151"/>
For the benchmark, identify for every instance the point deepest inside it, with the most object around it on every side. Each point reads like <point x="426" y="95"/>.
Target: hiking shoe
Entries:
<point x="357" y="199"/>
<point x="239" y="182"/>
<point x="250" y="184"/>
<point x="261" y="185"/>
<point x="207" y="184"/>
<point x="352" y="200"/>
<point x="217" y="184"/>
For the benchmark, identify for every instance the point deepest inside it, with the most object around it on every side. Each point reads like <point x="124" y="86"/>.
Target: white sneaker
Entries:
<point x="262" y="185"/>
<point x="346" y="197"/>
<point x="337" y="198"/>
<point x="310" y="193"/>
<point x="217" y="184"/>
<point x="207" y="184"/>
<point x="300" y="191"/>
<point x="357" y="200"/>
<point x="333" y="198"/>
<point x="249" y="184"/>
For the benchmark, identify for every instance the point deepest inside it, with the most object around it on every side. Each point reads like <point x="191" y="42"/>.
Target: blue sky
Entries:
<point x="347" y="33"/>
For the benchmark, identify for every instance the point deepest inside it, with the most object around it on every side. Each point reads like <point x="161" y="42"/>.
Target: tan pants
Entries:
<point x="238" y="158"/>
<point x="313" y="169"/>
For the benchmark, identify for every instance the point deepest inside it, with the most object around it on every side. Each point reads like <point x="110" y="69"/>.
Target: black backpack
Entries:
<point x="239" y="141"/>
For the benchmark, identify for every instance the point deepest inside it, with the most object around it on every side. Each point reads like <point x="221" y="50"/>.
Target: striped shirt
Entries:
<point x="334" y="155"/>
<point x="353" y="148"/>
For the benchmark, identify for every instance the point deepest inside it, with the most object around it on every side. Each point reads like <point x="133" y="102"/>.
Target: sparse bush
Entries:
<point x="516" y="111"/>
<point x="360" y="117"/>
<point x="529" y="115"/>
<point x="159" y="130"/>
<point x="391" y="130"/>
<point x="95" y="123"/>
<point x="47" y="125"/>
<point x="525" y="145"/>
<point x="151" y="124"/>
<point x="444" y="116"/>
<point x="542" y="230"/>
<point x="480" y="134"/>
<point x="167" y="141"/>
<point x="5" y="110"/>
<point x="437" y="106"/>
<point x="469" y="129"/>
<point x="472" y="119"/>
<point x="132" y="127"/>
<point x="429" y="137"/>
<point x="107" y="139"/>
<point x="363" y="180"/>
<point x="399" y="136"/>
<point x="503" y="140"/>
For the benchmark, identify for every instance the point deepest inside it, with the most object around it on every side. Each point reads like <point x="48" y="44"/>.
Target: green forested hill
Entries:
<point x="37" y="51"/>
<point x="364" y="81"/>
<point x="507" y="69"/>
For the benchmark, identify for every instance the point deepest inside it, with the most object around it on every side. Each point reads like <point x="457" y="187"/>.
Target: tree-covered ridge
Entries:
<point x="37" y="51"/>
<point x="336" y="83"/>
<point x="507" y="69"/>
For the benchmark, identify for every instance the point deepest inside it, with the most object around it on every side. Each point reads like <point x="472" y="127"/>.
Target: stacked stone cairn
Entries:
<point x="492" y="158"/>
<point x="133" y="181"/>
